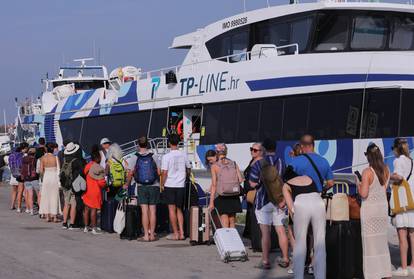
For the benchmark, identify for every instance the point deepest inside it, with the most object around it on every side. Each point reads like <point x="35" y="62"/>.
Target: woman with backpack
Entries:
<point x="30" y="178"/>
<point x="116" y="169"/>
<point x="49" y="171"/>
<point x="225" y="187"/>
<point x="404" y="221"/>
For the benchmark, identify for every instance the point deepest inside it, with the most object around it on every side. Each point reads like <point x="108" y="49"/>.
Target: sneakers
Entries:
<point x="71" y="227"/>
<point x="95" y="231"/>
<point x="32" y="213"/>
<point x="290" y="271"/>
<point x="64" y="226"/>
<point x="18" y="210"/>
<point x="86" y="229"/>
<point x="27" y="211"/>
<point x="310" y="269"/>
<point x="410" y="270"/>
<point x="401" y="272"/>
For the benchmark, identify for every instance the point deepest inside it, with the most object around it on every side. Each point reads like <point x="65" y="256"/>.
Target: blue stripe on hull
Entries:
<point x="299" y="81"/>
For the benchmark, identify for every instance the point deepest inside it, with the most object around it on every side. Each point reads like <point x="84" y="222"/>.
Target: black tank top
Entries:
<point x="298" y="190"/>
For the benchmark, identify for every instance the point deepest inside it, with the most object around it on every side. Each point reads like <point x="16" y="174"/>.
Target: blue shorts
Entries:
<point x="32" y="185"/>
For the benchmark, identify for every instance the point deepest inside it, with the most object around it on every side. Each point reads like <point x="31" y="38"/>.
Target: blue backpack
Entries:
<point x="15" y="164"/>
<point x="145" y="170"/>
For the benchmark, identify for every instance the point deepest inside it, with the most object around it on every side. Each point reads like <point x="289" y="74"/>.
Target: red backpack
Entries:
<point x="28" y="170"/>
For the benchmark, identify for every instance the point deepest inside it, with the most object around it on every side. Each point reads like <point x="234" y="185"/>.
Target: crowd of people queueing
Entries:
<point x="46" y="171"/>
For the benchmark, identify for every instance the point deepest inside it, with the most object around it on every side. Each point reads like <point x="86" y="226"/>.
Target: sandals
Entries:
<point x="283" y="264"/>
<point x="263" y="265"/>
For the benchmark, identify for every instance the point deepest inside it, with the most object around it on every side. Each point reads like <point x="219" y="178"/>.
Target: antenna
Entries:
<point x="268" y="4"/>
<point x="244" y="6"/>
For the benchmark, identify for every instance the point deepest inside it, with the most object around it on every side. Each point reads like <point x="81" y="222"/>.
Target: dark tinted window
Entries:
<point x="402" y="33"/>
<point x="228" y="123"/>
<point x="369" y="32"/>
<point x="249" y="117"/>
<point x="301" y="32"/>
<point x="347" y="114"/>
<point x="381" y="113"/>
<point x="271" y="119"/>
<point x="158" y="123"/>
<point x="331" y="32"/>
<point x="230" y="43"/>
<point x="321" y="116"/>
<point x="295" y="117"/>
<point x="407" y="114"/>
<point x="211" y="115"/>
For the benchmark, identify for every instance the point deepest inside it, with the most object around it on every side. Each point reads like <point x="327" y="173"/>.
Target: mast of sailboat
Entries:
<point x="5" y="125"/>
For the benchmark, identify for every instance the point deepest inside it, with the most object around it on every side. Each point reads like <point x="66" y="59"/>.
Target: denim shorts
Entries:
<point x="32" y="185"/>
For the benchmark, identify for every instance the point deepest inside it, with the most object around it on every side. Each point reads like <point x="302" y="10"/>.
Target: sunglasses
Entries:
<point x="254" y="149"/>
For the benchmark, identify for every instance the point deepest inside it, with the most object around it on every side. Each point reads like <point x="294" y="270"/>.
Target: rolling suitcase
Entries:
<point x="108" y="214"/>
<point x="229" y="244"/>
<point x="132" y="216"/>
<point x="199" y="226"/>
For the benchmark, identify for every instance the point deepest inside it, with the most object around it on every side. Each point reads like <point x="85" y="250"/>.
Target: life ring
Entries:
<point x="180" y="128"/>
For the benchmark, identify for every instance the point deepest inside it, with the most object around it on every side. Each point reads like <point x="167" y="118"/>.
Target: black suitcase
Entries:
<point x="163" y="219"/>
<point x="79" y="212"/>
<point x="132" y="220"/>
<point x="340" y="250"/>
<point x="357" y="243"/>
<point x="256" y="234"/>
<point x="108" y="214"/>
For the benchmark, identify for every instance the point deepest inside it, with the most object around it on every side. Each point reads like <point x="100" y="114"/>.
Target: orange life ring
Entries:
<point x="180" y="128"/>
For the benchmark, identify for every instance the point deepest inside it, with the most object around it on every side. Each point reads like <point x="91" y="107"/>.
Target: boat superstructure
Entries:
<point x="339" y="70"/>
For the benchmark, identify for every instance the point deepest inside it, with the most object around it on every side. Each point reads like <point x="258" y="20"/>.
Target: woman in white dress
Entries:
<point x="49" y="170"/>
<point x="403" y="168"/>
<point x="374" y="216"/>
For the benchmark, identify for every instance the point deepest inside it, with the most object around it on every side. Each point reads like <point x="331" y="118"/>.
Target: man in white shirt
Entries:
<point x="174" y="169"/>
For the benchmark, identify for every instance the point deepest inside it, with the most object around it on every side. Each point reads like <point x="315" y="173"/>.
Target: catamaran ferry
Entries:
<point x="342" y="71"/>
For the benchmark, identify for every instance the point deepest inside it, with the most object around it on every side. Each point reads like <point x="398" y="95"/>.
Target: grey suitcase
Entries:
<point x="229" y="244"/>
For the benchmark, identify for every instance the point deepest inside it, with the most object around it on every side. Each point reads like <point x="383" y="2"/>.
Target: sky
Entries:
<point x="36" y="37"/>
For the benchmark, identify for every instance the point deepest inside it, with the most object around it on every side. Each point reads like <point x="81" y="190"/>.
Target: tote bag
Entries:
<point x="338" y="206"/>
<point x="119" y="221"/>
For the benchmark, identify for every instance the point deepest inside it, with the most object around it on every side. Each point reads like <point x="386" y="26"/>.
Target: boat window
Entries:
<point x="158" y="122"/>
<point x="407" y="113"/>
<point x="402" y="33"/>
<point x="249" y="122"/>
<point x="322" y="110"/>
<point x="295" y="117"/>
<point x="271" y="119"/>
<point x="211" y="114"/>
<point x="347" y="114"/>
<point x="228" y="121"/>
<point x="82" y="85"/>
<point x="369" y="32"/>
<point x="232" y="42"/>
<point x="331" y="32"/>
<point x="300" y="32"/>
<point x="381" y="113"/>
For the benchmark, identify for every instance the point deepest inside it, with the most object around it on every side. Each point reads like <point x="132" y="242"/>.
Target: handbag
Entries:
<point x="250" y="196"/>
<point x="338" y="205"/>
<point x="119" y="221"/>
<point x="79" y="184"/>
<point x="402" y="196"/>
<point x="354" y="207"/>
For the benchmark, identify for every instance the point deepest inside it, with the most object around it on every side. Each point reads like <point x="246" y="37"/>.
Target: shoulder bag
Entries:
<point x="402" y="196"/>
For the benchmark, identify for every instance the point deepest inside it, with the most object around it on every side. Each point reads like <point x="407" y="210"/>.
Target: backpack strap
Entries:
<point x="315" y="167"/>
<point x="411" y="171"/>
<point x="119" y="162"/>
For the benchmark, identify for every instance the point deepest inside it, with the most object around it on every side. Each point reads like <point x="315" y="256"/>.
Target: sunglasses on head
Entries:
<point x="254" y="149"/>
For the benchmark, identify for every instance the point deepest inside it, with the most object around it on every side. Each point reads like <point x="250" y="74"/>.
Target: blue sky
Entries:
<point x="36" y="36"/>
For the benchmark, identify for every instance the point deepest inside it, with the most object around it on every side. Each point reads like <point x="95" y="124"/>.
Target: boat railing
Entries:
<point x="233" y="58"/>
<point x="158" y="146"/>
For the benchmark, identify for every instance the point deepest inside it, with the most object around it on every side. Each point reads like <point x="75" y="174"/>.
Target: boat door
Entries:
<point x="191" y="133"/>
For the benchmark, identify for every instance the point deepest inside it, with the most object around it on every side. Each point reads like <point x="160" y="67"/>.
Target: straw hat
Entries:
<point x="71" y="148"/>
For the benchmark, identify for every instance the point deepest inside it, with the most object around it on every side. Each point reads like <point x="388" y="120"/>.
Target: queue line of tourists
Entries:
<point x="297" y="210"/>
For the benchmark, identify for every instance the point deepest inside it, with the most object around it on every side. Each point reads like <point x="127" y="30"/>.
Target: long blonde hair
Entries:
<point x="115" y="152"/>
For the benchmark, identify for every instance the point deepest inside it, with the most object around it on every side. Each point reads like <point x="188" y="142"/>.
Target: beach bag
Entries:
<point x="145" y="170"/>
<point x="272" y="182"/>
<point x="402" y="196"/>
<point x="79" y="184"/>
<point x="337" y="205"/>
<point x="117" y="174"/>
<point x="228" y="183"/>
<point x="65" y="174"/>
<point x="15" y="164"/>
<point x="119" y="221"/>
<point x="28" y="170"/>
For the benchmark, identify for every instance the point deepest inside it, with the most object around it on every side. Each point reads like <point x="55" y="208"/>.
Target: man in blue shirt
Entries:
<point x="267" y="213"/>
<point x="302" y="165"/>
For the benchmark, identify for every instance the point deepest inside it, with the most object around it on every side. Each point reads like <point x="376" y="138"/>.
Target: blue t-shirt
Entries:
<point x="254" y="176"/>
<point x="302" y="166"/>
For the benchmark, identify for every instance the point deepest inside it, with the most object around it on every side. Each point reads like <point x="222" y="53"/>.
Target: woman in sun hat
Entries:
<point x="50" y="202"/>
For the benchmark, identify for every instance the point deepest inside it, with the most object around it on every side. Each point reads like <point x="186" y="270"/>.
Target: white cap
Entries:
<point x="105" y="140"/>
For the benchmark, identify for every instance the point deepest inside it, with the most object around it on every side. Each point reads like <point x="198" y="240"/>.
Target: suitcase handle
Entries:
<point x="215" y="218"/>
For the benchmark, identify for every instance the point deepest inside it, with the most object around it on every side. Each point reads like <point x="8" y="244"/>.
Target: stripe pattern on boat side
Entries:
<point x="299" y="81"/>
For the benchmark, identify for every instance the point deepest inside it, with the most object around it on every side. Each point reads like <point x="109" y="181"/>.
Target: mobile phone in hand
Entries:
<point x="358" y="174"/>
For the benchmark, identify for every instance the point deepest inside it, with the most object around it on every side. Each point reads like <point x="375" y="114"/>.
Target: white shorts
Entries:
<point x="270" y="214"/>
